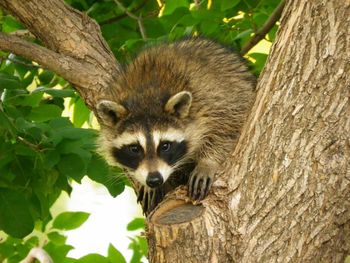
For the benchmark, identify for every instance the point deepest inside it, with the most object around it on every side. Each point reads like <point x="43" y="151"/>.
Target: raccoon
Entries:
<point x="177" y="117"/>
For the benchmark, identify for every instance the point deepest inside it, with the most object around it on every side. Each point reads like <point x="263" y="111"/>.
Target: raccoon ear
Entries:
<point x="179" y="104"/>
<point x="110" y="112"/>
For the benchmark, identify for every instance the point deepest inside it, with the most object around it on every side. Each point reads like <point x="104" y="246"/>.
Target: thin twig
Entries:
<point x="31" y="145"/>
<point x="260" y="33"/>
<point x="133" y="16"/>
<point x="142" y="29"/>
<point x="117" y="18"/>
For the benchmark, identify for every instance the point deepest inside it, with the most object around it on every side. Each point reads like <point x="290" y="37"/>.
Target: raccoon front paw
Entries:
<point x="149" y="198"/>
<point x="199" y="186"/>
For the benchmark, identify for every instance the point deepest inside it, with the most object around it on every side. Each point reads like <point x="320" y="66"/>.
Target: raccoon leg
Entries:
<point x="149" y="198"/>
<point x="201" y="179"/>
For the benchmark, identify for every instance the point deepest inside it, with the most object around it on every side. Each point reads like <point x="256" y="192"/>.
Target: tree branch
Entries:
<point x="69" y="68"/>
<point x="261" y="33"/>
<point x="39" y="254"/>
<point x="74" y="47"/>
<point x="65" y="35"/>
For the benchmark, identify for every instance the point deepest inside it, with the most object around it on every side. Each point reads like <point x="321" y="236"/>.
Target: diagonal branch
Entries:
<point x="62" y="28"/>
<point x="261" y="32"/>
<point x="69" y="68"/>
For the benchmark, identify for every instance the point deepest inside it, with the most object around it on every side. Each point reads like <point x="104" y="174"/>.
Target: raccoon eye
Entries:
<point x="165" y="146"/>
<point x="135" y="148"/>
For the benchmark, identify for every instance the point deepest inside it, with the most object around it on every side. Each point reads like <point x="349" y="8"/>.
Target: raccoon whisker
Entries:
<point x="181" y="163"/>
<point x="118" y="179"/>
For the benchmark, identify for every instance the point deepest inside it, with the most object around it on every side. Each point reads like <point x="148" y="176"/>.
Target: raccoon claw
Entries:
<point x="199" y="186"/>
<point x="149" y="198"/>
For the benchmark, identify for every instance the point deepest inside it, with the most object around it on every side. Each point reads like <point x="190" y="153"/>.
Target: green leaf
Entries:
<point x="99" y="171"/>
<point x="244" y="34"/>
<point x="62" y="93"/>
<point x="51" y="157"/>
<point x="76" y="133"/>
<point x="70" y="220"/>
<point x="31" y="100"/>
<point x="259" y="63"/>
<point x="60" y="123"/>
<point x="114" y="255"/>
<point x="72" y="165"/>
<point x="139" y="247"/>
<point x="7" y="249"/>
<point x="57" y="252"/>
<point x="8" y="81"/>
<point x="117" y="183"/>
<point x="272" y="33"/>
<point x="15" y="217"/>
<point x="45" y="112"/>
<point x="9" y="24"/>
<point x="137" y="223"/>
<point x="227" y="4"/>
<point x="57" y="238"/>
<point x="25" y="150"/>
<point x="208" y="26"/>
<point x="81" y="113"/>
<point x="5" y="123"/>
<point x="46" y="76"/>
<point x="143" y="245"/>
<point x="29" y="77"/>
<point x="172" y="5"/>
<point x="93" y="258"/>
<point x="6" y="154"/>
<point x="32" y="242"/>
<point x="70" y="146"/>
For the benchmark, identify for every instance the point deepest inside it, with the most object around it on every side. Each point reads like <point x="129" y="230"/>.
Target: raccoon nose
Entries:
<point x="154" y="179"/>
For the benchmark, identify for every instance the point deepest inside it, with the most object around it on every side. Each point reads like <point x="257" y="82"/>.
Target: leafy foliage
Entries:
<point x="137" y="223"/>
<point x="70" y="220"/>
<point x="15" y="249"/>
<point x="42" y="150"/>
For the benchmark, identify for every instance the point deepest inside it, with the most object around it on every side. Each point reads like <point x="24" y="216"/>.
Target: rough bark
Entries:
<point x="284" y="195"/>
<point x="290" y="200"/>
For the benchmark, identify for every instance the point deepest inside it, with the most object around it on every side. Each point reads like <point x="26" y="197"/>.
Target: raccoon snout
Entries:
<point x="154" y="179"/>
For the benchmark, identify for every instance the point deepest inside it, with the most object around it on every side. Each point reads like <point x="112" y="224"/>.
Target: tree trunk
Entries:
<point x="284" y="195"/>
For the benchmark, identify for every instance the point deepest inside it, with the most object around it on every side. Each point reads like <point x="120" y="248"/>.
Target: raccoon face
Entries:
<point x="150" y="152"/>
<point x="150" y="157"/>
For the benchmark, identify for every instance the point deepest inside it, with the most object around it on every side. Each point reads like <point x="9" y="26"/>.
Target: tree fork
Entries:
<point x="284" y="195"/>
